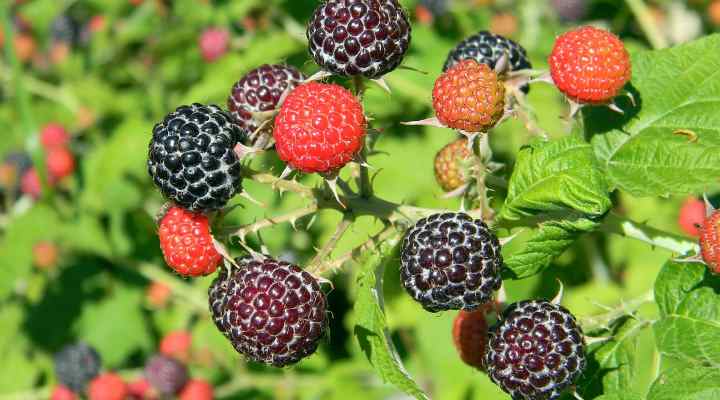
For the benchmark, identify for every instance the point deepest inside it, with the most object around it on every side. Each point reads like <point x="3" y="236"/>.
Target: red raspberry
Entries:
<point x="60" y="163"/>
<point x="469" y="97"/>
<point x="196" y="389"/>
<point x="590" y="65"/>
<point x="158" y="294"/>
<point x="187" y="244"/>
<point x="53" y="135"/>
<point x="692" y="215"/>
<point x="710" y="241"/>
<point x="45" y="255"/>
<point x="470" y="336"/>
<point x="320" y="128"/>
<point x="214" y="43"/>
<point x="140" y="389"/>
<point x="30" y="184"/>
<point x="176" y="344"/>
<point x="108" y="386"/>
<point x="60" y="392"/>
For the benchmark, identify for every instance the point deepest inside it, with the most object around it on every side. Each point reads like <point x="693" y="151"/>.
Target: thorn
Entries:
<point x="311" y="222"/>
<point x="383" y="84"/>
<point x="709" y="208"/>
<point x="322" y="280"/>
<point x="322" y="74"/>
<point x="508" y="239"/>
<point x="462" y="205"/>
<point x="408" y="68"/>
<point x="455" y="193"/>
<point x="286" y="172"/>
<point x="614" y="107"/>
<point x="503" y="64"/>
<point x="501" y="298"/>
<point x="576" y="395"/>
<point x="426" y="122"/>
<point x="630" y="96"/>
<point x="574" y="108"/>
<point x="332" y="184"/>
<point x="245" y="195"/>
<point x="697" y="258"/>
<point x="558" y="297"/>
<point x="545" y="77"/>
<point x="292" y="223"/>
<point x="592" y="340"/>
<point x="220" y="248"/>
<point x="243" y="151"/>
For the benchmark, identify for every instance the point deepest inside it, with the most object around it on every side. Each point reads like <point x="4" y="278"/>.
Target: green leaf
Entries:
<point x="687" y="384"/>
<point x="620" y="396"/>
<point x="550" y="240"/>
<point x="690" y="327"/>
<point x="370" y="324"/>
<point x="116" y="326"/>
<point x="556" y="177"/>
<point x="613" y="369"/>
<point x="679" y="88"/>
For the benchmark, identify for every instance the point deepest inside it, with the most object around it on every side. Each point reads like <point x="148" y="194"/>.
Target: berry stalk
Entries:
<point x="622" y="226"/>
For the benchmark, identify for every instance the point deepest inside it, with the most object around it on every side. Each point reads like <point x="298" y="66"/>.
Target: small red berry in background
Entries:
<point x="54" y="135"/>
<point x="62" y="393"/>
<point x="60" y="163"/>
<point x="177" y="344"/>
<point x="710" y="242"/>
<point x="96" y="23"/>
<point x="25" y="47"/>
<point x="140" y="389"/>
<point x="320" y="128"/>
<point x="214" y="43"/>
<point x="158" y="294"/>
<point x="187" y="244"/>
<point x="470" y="336"/>
<point x="423" y="15"/>
<point x="196" y="389"/>
<point x="45" y="255"/>
<point x="469" y="97"/>
<point x="30" y="184"/>
<point x="692" y="215"/>
<point x="108" y="386"/>
<point x="590" y="65"/>
<point x="713" y="12"/>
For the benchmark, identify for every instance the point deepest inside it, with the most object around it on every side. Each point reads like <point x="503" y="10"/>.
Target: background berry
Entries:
<point x="76" y="365"/>
<point x="140" y="389"/>
<point x="470" y="337"/>
<point x="469" y="97"/>
<point x="358" y="37"/>
<point x="487" y="48"/>
<point x="320" y="128"/>
<point x="158" y="294"/>
<point x="692" y="216"/>
<point x="214" y="43"/>
<point x="54" y="135"/>
<point x="12" y="169"/>
<point x="45" y="255"/>
<point x="60" y="392"/>
<point x="570" y="10"/>
<point x="60" y="163"/>
<point x="273" y="312"/>
<point x="108" y="386"/>
<point x="186" y="242"/>
<point x="191" y="157"/>
<point x="30" y="184"/>
<point x="176" y="344"/>
<point x="450" y="262"/>
<point x="536" y="350"/>
<point x="261" y="90"/>
<point x="710" y="241"/>
<point x="589" y="65"/>
<point x="196" y="389"/>
<point x="166" y="374"/>
<point x="451" y="165"/>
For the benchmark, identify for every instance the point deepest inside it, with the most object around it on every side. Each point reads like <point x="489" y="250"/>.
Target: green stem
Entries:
<point x="647" y="23"/>
<point x="364" y="178"/>
<point x="654" y="237"/>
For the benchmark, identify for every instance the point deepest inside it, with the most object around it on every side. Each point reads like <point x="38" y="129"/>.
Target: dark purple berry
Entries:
<point x="359" y="37"/>
<point x="76" y="365"/>
<point x="487" y="48"/>
<point x="450" y="261"/>
<point x="536" y="350"/>
<point x="166" y="374"/>
<point x="272" y="311"/>
<point x="258" y="91"/>
<point x="191" y="157"/>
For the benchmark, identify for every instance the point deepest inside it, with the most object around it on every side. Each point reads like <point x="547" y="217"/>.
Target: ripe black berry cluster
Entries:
<point x="536" y="350"/>
<point x="76" y="365"/>
<point x="450" y="261"/>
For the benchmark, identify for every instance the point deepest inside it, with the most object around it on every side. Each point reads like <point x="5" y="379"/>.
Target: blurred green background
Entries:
<point x="107" y="70"/>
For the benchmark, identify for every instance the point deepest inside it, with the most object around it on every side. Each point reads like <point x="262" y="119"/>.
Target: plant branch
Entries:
<point x="282" y="184"/>
<point x="256" y="226"/>
<point x="625" y="308"/>
<point x="654" y="237"/>
<point x="647" y="23"/>
<point x="155" y="273"/>
<point x="330" y="245"/>
<point x="364" y="185"/>
<point x="370" y="244"/>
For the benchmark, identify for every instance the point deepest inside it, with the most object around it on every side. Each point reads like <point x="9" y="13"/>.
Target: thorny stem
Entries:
<point x="321" y="255"/>
<point x="485" y="154"/>
<point x="647" y="23"/>
<point x="370" y="244"/>
<point x="289" y="217"/>
<point x="282" y="184"/>
<point x="625" y="308"/>
<point x="654" y="237"/>
<point x="364" y="178"/>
